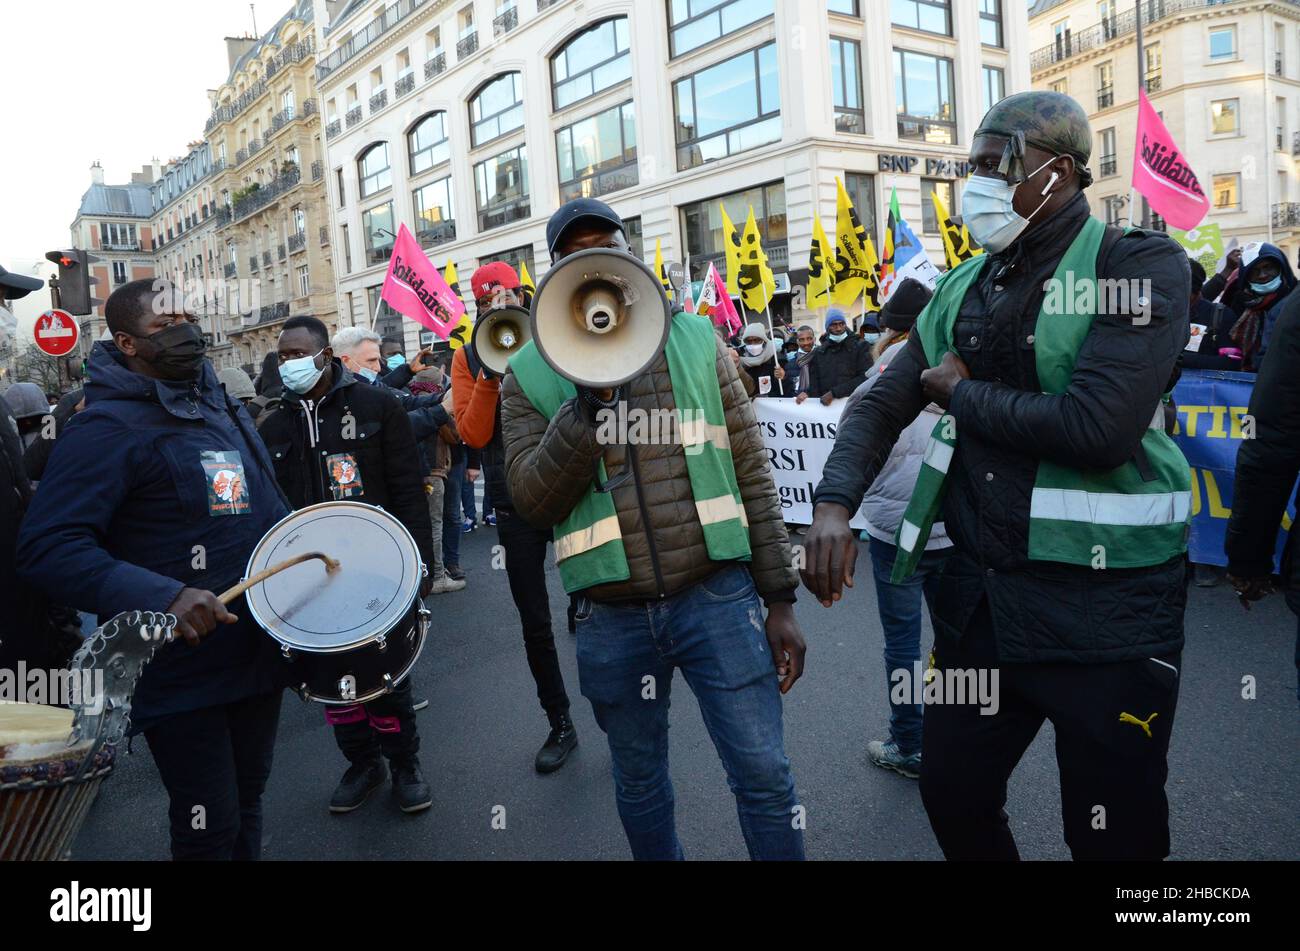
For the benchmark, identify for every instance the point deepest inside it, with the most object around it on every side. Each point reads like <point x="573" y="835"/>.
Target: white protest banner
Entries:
<point x="799" y="439"/>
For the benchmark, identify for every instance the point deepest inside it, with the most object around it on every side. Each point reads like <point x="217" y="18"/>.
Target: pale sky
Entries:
<point x="130" y="76"/>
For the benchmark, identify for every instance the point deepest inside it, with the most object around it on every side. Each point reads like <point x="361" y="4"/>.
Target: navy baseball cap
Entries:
<point x="586" y="210"/>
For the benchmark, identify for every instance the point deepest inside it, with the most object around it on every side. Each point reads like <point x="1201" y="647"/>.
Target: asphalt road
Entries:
<point x="1233" y="781"/>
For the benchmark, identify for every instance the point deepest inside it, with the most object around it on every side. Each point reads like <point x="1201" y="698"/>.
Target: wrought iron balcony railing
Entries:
<point x="378" y="101"/>
<point x="435" y="65"/>
<point x="505" y="22"/>
<point x="353" y="116"/>
<point x="297" y="242"/>
<point x="404" y="85"/>
<point x="467" y="46"/>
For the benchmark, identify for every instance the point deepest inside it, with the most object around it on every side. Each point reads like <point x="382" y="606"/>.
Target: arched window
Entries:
<point x="595" y="59"/>
<point x="375" y="174"/>
<point x="427" y="142"/>
<point x="497" y="108"/>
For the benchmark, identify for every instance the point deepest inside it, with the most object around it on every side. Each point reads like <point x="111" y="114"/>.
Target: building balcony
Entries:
<point x="266" y="258"/>
<point x="1154" y="82"/>
<point x="295" y="53"/>
<point x="505" y="22"/>
<point x="467" y="46"/>
<point x="297" y="242"/>
<point x="544" y="4"/>
<point x="241" y="156"/>
<point x="252" y="262"/>
<point x="281" y="253"/>
<point x="121" y="245"/>
<point x="1286" y="214"/>
<point x="404" y="85"/>
<point x="230" y="270"/>
<point x="1071" y="43"/>
<point x="324" y="236"/>
<point x="261" y="197"/>
<point x="333" y="129"/>
<point x="353" y="116"/>
<point x="317" y="171"/>
<point x="223" y="216"/>
<point x="268" y="314"/>
<point x="1277" y="63"/>
<point x="281" y="119"/>
<point x="393" y="14"/>
<point x="1105" y="97"/>
<point x="254" y="147"/>
<point x="435" y="65"/>
<point x="1109" y="165"/>
<point x="1295" y="143"/>
<point x="378" y="101"/>
<point x="230" y="110"/>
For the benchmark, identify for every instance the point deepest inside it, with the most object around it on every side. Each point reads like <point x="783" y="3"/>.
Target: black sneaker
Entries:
<point x="412" y="792"/>
<point x="360" y="780"/>
<point x="558" y="746"/>
<point x="454" y="572"/>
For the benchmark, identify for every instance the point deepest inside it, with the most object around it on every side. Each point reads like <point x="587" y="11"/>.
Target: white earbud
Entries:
<point x="1050" y="182"/>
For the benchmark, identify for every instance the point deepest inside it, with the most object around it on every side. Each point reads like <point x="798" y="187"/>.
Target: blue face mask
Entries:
<point x="368" y="374"/>
<point x="871" y="338"/>
<point x="838" y="338"/>
<point x="1268" y="288"/>
<point x="395" y="361"/>
<point x="988" y="209"/>
<point x="302" y="374"/>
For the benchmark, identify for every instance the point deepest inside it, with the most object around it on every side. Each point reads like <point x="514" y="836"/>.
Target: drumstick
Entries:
<point x="331" y="566"/>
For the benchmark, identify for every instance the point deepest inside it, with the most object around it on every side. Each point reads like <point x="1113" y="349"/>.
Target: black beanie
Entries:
<point x="905" y="305"/>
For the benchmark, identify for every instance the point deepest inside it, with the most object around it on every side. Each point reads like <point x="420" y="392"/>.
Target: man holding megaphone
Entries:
<point x="628" y="431"/>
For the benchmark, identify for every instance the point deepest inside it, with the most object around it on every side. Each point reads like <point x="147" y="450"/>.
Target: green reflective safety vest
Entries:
<point x="1105" y="519"/>
<point x="589" y="543"/>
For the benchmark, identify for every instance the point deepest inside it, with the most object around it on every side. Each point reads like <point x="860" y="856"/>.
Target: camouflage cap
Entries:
<point x="1050" y="121"/>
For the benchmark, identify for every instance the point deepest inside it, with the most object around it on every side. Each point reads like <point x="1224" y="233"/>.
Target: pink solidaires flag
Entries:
<point x="414" y="288"/>
<point x="717" y="304"/>
<point x="1161" y="172"/>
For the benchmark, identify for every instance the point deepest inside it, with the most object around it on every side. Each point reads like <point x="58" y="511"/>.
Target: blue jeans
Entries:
<point x="713" y="632"/>
<point x="467" y="504"/>
<point x="451" y="526"/>
<point x="900" y="616"/>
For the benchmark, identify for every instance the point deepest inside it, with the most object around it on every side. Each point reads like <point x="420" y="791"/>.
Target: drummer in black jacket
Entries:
<point x="334" y="438"/>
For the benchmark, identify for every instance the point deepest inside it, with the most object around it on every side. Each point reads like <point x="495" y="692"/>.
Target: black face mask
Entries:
<point x="177" y="351"/>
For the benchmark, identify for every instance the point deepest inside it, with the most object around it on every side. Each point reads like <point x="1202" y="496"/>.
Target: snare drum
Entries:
<point x="353" y="634"/>
<point x="44" y="791"/>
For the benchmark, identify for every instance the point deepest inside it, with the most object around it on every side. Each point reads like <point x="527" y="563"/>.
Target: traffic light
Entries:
<point x="75" y="280"/>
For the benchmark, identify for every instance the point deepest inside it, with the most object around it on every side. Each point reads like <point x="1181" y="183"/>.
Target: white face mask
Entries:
<point x="988" y="209"/>
<point x="754" y="349"/>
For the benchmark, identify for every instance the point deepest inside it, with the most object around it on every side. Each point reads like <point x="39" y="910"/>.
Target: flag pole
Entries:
<point x="771" y="336"/>
<point x="379" y="302"/>
<point x="1133" y="192"/>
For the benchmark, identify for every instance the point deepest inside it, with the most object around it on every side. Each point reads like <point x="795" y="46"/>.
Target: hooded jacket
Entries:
<point x="374" y="460"/>
<point x="1250" y="306"/>
<point x="135" y="506"/>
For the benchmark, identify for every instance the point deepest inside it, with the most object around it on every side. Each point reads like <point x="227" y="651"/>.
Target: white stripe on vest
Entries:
<point x="1110" y="508"/>
<point x="699" y="430"/>
<point x="938" y="455"/>
<point x="722" y="509"/>
<point x="585" y="539"/>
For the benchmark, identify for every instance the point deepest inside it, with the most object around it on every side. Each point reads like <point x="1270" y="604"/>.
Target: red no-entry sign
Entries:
<point x="56" y="333"/>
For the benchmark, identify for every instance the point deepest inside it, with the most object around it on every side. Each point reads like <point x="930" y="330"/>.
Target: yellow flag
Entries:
<point x="465" y="329"/>
<point x="854" y="270"/>
<point x="661" y="272"/>
<point x="755" y="279"/>
<point x="957" y="243"/>
<point x="821" y="268"/>
<point x="731" y="241"/>
<point x="526" y="279"/>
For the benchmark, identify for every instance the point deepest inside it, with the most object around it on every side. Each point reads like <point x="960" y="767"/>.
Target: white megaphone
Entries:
<point x="600" y="318"/>
<point x="497" y="337"/>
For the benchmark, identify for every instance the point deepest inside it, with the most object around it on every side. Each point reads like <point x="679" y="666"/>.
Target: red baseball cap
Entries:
<point x="489" y="276"/>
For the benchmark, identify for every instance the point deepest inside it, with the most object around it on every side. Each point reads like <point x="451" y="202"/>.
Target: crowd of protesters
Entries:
<point x="103" y="497"/>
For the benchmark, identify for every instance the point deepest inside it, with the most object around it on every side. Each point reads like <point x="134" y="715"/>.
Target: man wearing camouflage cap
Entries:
<point x="1066" y="501"/>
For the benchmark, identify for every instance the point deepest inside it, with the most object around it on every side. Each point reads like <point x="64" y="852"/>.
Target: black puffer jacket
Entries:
<point x="838" y="368"/>
<point x="1042" y="611"/>
<point x="1267" y="465"/>
<point x="550" y="464"/>
<point x="305" y="446"/>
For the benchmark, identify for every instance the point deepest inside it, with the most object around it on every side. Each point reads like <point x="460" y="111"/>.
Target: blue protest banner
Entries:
<point x="1211" y="404"/>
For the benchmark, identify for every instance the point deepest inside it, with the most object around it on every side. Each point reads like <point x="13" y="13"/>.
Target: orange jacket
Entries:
<point x="474" y="401"/>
